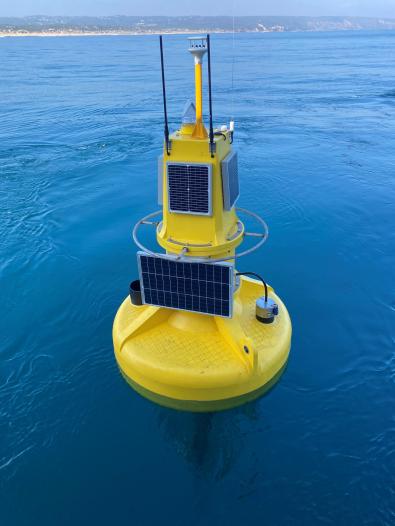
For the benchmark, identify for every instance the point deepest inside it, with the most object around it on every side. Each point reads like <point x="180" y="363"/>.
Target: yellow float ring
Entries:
<point x="197" y="362"/>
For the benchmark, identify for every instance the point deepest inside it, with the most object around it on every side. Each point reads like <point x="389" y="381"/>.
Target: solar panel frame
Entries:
<point x="190" y="210"/>
<point x="186" y="292"/>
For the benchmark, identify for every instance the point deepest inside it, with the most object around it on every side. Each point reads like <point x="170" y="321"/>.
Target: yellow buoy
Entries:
<point x="195" y="334"/>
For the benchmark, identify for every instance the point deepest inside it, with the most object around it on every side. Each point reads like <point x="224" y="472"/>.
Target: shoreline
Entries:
<point x="16" y="34"/>
<point x="43" y="34"/>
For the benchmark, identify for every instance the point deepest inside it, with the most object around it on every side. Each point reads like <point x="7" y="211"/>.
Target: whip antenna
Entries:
<point x="210" y="103"/>
<point x="164" y="97"/>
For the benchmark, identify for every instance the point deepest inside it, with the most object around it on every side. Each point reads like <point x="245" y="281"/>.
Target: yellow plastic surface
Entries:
<point x="188" y="357"/>
<point x="199" y="131"/>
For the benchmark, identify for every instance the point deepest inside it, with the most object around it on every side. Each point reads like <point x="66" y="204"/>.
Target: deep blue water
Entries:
<point x="80" y="131"/>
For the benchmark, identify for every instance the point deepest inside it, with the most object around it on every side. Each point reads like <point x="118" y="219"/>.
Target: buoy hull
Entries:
<point x="208" y="406"/>
<point x="195" y="362"/>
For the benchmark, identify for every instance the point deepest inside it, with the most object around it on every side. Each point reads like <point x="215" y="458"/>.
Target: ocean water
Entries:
<point x="80" y="132"/>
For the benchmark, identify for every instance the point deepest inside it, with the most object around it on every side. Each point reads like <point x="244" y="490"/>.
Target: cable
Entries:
<point x="218" y="134"/>
<point x="256" y="276"/>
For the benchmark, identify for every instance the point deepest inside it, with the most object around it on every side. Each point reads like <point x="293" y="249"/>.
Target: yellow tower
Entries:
<point x="195" y="334"/>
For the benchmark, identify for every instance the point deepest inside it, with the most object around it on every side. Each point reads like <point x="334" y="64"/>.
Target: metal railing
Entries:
<point x="147" y="220"/>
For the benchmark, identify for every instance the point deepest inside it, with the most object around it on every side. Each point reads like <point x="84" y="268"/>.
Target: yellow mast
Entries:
<point x="198" y="49"/>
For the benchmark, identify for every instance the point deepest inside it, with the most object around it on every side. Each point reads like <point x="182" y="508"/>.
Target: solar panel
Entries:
<point x="230" y="180"/>
<point x="199" y="287"/>
<point x="189" y="188"/>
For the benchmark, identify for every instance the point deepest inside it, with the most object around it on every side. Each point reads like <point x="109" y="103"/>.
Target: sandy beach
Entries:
<point x="72" y="33"/>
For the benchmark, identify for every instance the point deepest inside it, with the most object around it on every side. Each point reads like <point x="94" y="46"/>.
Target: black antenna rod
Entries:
<point x="164" y="96"/>
<point x="210" y="103"/>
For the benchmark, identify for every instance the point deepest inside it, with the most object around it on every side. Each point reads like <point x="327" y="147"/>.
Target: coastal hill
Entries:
<point x="72" y="25"/>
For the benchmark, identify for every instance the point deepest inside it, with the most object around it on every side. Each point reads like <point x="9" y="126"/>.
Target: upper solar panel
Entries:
<point x="230" y="180"/>
<point x="189" y="188"/>
<point x="199" y="287"/>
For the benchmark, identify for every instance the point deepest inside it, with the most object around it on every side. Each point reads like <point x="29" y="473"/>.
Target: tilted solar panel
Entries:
<point x="189" y="188"/>
<point x="230" y="180"/>
<point x="199" y="287"/>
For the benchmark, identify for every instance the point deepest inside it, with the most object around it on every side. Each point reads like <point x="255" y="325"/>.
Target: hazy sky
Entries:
<point x="383" y="8"/>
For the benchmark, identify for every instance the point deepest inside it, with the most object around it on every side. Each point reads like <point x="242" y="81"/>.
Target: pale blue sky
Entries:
<point x="381" y="8"/>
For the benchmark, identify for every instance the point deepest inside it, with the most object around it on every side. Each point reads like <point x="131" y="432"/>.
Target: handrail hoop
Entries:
<point x="263" y="235"/>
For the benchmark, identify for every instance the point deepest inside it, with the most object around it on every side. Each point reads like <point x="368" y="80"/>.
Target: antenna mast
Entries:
<point x="164" y="97"/>
<point x="211" y="133"/>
